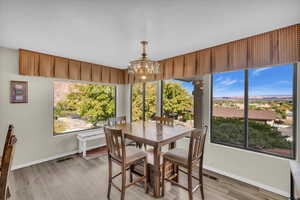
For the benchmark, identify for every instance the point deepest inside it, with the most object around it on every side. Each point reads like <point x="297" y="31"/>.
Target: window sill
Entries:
<point x="252" y="151"/>
<point x="77" y="132"/>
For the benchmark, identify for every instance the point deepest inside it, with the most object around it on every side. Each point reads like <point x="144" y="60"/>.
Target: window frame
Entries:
<point x="246" y="106"/>
<point x="162" y="96"/>
<point x="143" y="96"/>
<point x="79" y="131"/>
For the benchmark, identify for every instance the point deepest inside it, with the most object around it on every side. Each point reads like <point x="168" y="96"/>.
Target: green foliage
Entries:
<point x="150" y="100"/>
<point x="261" y="136"/>
<point x="59" y="126"/>
<point x="91" y="102"/>
<point x="177" y="100"/>
<point x="137" y="102"/>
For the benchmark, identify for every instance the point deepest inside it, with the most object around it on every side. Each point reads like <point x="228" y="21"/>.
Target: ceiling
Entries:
<point x="108" y="31"/>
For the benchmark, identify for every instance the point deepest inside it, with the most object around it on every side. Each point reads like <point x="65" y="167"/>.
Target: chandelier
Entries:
<point x="143" y="67"/>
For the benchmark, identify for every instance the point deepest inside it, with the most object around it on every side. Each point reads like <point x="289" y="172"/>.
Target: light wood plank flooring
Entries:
<point x="79" y="179"/>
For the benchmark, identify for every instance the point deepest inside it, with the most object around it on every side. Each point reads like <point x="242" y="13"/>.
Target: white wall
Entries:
<point x="33" y="121"/>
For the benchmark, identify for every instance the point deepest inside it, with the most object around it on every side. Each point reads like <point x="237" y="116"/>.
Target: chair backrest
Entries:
<point x="197" y="142"/>
<point x="117" y="120"/>
<point x="8" y="135"/>
<point x="115" y="142"/>
<point x="164" y="120"/>
<point x="6" y="162"/>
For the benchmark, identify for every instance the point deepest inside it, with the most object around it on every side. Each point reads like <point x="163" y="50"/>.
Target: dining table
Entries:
<point x="155" y="135"/>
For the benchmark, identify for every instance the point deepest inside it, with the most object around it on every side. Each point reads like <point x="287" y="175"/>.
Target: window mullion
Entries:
<point x="144" y="101"/>
<point x="246" y="102"/>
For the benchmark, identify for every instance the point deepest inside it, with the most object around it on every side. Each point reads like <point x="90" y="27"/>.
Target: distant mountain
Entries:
<point x="265" y="97"/>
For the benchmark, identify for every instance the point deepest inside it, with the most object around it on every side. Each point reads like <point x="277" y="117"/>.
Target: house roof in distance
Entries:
<point x="260" y="115"/>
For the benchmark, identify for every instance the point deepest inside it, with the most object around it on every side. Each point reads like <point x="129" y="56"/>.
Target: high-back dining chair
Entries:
<point x="188" y="159"/>
<point x="121" y="120"/>
<point x="164" y="120"/>
<point x="6" y="162"/>
<point x="125" y="157"/>
<point x="117" y="120"/>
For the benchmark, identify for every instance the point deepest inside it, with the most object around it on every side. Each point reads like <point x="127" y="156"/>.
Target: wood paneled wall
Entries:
<point x="39" y="64"/>
<point x="277" y="47"/>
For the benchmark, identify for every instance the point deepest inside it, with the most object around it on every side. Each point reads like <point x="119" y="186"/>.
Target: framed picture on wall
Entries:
<point x="18" y="92"/>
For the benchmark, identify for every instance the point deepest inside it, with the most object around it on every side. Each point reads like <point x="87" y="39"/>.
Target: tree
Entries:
<point x="91" y="102"/>
<point x="137" y="101"/>
<point x="261" y="136"/>
<point x="177" y="100"/>
<point x="150" y="100"/>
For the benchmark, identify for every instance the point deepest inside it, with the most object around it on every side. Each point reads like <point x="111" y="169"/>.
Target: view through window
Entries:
<point x="143" y="100"/>
<point x="263" y="119"/>
<point x="80" y="106"/>
<point x="178" y="101"/>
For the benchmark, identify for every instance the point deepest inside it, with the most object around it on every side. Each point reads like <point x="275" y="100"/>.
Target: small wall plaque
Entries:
<point x="18" y="92"/>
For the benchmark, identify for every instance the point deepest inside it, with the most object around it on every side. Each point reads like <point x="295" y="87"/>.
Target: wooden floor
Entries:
<point x="79" y="179"/>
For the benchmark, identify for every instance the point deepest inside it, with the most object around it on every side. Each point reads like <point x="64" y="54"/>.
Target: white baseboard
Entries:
<point x="245" y="180"/>
<point x="52" y="158"/>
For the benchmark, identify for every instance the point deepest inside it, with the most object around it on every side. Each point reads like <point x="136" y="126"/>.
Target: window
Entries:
<point x="80" y="106"/>
<point x="178" y="101"/>
<point x="255" y="109"/>
<point x="143" y="100"/>
<point x="137" y="101"/>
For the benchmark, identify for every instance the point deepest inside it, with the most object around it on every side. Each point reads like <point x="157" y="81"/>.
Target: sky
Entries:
<point x="276" y="80"/>
<point x="187" y="85"/>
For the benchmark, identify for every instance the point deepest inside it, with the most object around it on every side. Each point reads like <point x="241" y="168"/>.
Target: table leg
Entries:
<point x="292" y="197"/>
<point x="157" y="173"/>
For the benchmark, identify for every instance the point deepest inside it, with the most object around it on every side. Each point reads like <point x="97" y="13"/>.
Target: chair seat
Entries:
<point x="132" y="155"/>
<point x="177" y="155"/>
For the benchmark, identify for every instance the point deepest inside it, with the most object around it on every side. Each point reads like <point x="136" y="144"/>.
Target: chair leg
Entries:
<point x="163" y="177"/>
<point x="130" y="174"/>
<point x="123" y="183"/>
<point x="145" y="175"/>
<point x="201" y="181"/>
<point x="8" y="195"/>
<point x="190" y="184"/>
<point x="109" y="177"/>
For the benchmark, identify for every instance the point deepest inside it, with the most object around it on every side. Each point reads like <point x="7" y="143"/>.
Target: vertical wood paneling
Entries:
<point x="131" y="78"/>
<point x="121" y="76"/>
<point x="259" y="50"/>
<point x="273" y="48"/>
<point x="126" y="77"/>
<point x="168" y="63"/>
<point x="203" y="62"/>
<point x="28" y="63"/>
<point x="160" y="76"/>
<point x="289" y="50"/>
<point x="96" y="73"/>
<point x="74" y="70"/>
<point x="114" y="75"/>
<point x="190" y="64"/>
<point x="237" y="55"/>
<point x="86" y="71"/>
<point x="46" y="65"/>
<point x="105" y="75"/>
<point x="61" y="67"/>
<point x="219" y="58"/>
<point x="178" y="67"/>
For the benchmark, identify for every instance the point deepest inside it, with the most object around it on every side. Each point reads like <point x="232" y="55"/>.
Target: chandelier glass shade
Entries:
<point x="143" y="67"/>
